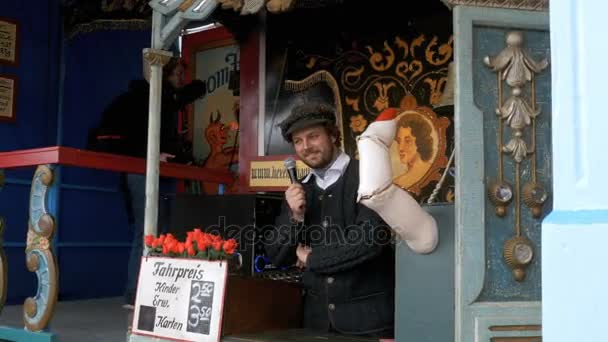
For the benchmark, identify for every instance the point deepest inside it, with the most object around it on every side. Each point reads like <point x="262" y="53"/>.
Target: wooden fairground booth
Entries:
<point x="472" y="74"/>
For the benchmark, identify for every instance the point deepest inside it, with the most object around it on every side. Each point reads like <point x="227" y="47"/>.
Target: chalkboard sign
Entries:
<point x="180" y="299"/>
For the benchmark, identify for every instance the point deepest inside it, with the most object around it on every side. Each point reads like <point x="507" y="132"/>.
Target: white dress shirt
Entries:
<point x="327" y="177"/>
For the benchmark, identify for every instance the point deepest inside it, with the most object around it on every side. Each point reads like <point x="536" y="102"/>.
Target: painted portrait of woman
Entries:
<point x="414" y="149"/>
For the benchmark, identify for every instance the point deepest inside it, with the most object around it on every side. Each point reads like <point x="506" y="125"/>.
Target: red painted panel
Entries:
<point x="250" y="92"/>
<point x="249" y="89"/>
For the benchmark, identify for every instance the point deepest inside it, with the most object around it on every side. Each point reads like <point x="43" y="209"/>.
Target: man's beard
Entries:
<point x="323" y="162"/>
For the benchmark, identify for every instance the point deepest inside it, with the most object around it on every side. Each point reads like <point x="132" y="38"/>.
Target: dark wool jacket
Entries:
<point x="350" y="273"/>
<point x="127" y="118"/>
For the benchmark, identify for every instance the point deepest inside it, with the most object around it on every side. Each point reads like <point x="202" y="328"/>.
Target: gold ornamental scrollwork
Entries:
<point x="381" y="61"/>
<point x="405" y="72"/>
<point x="515" y="67"/>
<point x="440" y="55"/>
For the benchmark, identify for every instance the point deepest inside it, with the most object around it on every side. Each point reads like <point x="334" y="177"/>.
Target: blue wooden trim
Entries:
<point x="17" y="181"/>
<point x="14" y="245"/>
<point x="61" y="85"/>
<point x="73" y="244"/>
<point x="22" y="335"/>
<point x="94" y="244"/>
<point x="54" y="203"/>
<point x="89" y="188"/>
<point x="55" y="56"/>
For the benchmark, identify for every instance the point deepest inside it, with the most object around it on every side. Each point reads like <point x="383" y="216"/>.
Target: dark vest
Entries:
<point x="353" y="294"/>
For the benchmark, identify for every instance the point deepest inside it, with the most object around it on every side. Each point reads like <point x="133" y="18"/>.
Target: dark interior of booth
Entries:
<point x="264" y="302"/>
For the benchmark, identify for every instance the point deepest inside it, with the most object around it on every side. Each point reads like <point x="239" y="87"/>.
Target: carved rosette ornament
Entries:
<point x="515" y="67"/>
<point x="38" y="310"/>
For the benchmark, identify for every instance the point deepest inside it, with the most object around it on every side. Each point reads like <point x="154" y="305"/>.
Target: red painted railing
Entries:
<point x="103" y="161"/>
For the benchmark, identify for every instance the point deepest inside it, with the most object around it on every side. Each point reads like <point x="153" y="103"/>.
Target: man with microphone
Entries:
<point x="343" y="247"/>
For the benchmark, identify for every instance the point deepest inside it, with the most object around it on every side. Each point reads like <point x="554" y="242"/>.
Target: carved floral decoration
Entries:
<point x="515" y="67"/>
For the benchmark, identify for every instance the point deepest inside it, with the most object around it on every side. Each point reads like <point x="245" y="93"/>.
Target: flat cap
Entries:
<point x="306" y="115"/>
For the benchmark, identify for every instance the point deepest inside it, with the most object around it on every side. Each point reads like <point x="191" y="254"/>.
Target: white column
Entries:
<point x="156" y="59"/>
<point x="575" y="234"/>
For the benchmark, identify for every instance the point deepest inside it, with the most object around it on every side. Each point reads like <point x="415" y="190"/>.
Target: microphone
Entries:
<point x="290" y="165"/>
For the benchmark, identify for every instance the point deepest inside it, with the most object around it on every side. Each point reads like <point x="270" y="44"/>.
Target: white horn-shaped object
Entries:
<point x="377" y="191"/>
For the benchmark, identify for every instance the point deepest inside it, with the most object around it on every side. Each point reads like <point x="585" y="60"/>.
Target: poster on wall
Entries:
<point x="212" y="123"/>
<point x="216" y="115"/>
<point x="8" y="42"/>
<point x="8" y="97"/>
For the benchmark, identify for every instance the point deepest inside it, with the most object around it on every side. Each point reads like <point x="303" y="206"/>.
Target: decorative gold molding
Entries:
<point x="280" y="6"/>
<point x="517" y="339"/>
<point x="154" y="57"/>
<point x="235" y="5"/>
<point x="529" y="5"/>
<point x="531" y="327"/>
<point x="157" y="57"/>
<point x="185" y="5"/>
<point x="515" y="67"/>
<point x="110" y="25"/>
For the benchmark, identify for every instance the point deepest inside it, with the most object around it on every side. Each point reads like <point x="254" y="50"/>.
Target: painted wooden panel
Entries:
<point x="475" y="314"/>
<point x="425" y="286"/>
<point x="575" y="233"/>
<point x="499" y="284"/>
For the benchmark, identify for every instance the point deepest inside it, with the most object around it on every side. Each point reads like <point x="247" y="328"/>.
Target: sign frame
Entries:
<point x="222" y="263"/>
<point x="279" y="159"/>
<point x="15" y="42"/>
<point x="13" y="93"/>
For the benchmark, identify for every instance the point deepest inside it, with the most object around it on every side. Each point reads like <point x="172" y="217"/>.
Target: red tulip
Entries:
<point x="148" y="240"/>
<point x="230" y="246"/>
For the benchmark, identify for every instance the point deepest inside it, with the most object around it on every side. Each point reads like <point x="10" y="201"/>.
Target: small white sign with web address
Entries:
<point x="180" y="299"/>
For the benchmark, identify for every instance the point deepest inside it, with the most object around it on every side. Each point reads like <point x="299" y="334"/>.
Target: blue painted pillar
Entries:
<point x="575" y="234"/>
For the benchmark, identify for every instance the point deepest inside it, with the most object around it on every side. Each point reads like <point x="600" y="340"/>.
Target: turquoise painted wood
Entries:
<point x="424" y="307"/>
<point x="11" y="334"/>
<point x="498" y="282"/>
<point x="575" y="299"/>
<point x="473" y="316"/>
<point x="44" y="197"/>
